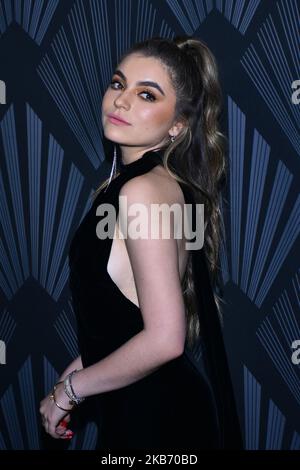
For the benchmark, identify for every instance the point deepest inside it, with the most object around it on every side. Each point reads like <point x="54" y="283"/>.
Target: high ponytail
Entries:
<point x="197" y="155"/>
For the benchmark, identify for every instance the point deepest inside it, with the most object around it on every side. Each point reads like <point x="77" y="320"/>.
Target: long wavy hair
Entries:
<point x="197" y="156"/>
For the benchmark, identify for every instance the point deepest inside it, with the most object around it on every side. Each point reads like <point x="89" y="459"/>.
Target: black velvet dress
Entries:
<point x="175" y="407"/>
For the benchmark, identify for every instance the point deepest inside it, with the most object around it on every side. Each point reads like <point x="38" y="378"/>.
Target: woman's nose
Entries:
<point x="123" y="99"/>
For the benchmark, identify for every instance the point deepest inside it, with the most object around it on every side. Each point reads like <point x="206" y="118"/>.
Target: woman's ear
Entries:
<point x="175" y="130"/>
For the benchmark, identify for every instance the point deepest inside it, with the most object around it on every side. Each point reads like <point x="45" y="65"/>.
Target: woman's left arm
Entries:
<point x="154" y="264"/>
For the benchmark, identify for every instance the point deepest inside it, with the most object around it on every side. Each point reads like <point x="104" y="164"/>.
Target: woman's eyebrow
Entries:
<point x="146" y="83"/>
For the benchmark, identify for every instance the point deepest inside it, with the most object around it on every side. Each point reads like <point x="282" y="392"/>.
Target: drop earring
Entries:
<point x="172" y="138"/>
<point x="113" y="168"/>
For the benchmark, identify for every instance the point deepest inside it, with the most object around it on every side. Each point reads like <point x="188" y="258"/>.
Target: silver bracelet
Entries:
<point x="68" y="388"/>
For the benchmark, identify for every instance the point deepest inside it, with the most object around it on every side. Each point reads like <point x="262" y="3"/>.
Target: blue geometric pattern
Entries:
<point x="275" y="427"/>
<point x="240" y="14"/>
<point x="50" y="376"/>
<point x="67" y="333"/>
<point x="288" y="237"/>
<point x="2" y="443"/>
<point x="253" y="264"/>
<point x="8" y="404"/>
<point x="26" y="384"/>
<point x="33" y="17"/>
<point x="7" y="326"/>
<point x="252" y="401"/>
<point x="90" y="437"/>
<point x="70" y="72"/>
<point x="295" y="444"/>
<point x="191" y="13"/>
<point x="18" y="269"/>
<point x="259" y="164"/>
<point x="41" y="250"/>
<point x="278" y="44"/>
<point x="6" y="16"/>
<point x="277" y="333"/>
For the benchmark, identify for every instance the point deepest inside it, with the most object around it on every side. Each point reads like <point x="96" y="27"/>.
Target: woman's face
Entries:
<point x="149" y="110"/>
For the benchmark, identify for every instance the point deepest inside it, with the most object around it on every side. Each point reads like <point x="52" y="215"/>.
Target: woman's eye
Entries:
<point x="113" y="82"/>
<point x="152" y="97"/>
<point x="149" y="94"/>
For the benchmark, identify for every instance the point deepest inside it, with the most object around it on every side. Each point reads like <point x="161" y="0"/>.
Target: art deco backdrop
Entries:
<point x="56" y="60"/>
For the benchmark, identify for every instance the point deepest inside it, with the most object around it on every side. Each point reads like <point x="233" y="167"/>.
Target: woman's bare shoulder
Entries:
<point x="159" y="182"/>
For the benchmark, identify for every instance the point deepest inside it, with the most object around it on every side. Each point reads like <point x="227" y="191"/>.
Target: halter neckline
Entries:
<point x="146" y="155"/>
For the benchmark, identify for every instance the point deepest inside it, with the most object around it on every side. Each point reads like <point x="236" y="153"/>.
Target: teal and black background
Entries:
<point x="57" y="59"/>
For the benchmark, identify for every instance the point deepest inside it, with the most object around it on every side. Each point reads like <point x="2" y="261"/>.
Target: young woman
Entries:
<point x="142" y="303"/>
